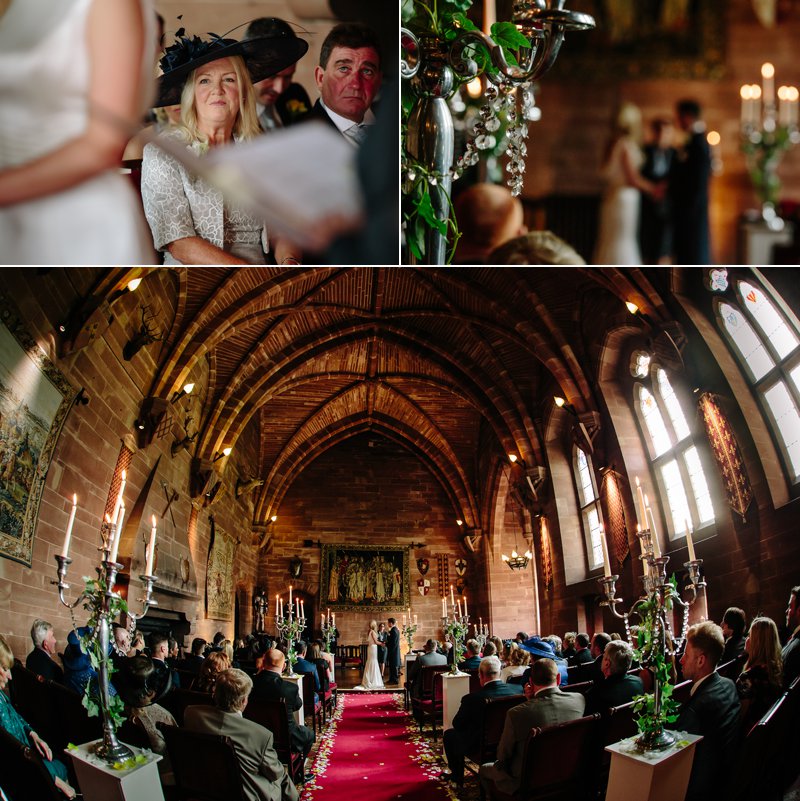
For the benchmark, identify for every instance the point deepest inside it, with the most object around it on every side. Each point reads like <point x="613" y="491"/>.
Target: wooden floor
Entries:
<point x="349" y="677"/>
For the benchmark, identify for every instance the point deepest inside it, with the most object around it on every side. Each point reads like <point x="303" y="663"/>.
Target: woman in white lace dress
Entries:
<point x="191" y="221"/>
<point x="618" y="234"/>
<point x="372" y="680"/>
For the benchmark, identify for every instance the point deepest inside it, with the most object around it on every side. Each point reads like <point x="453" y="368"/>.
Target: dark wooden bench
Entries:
<point x="492" y="722"/>
<point x="272" y="714"/>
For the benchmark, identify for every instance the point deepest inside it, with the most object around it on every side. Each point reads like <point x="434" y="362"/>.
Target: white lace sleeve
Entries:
<point x="165" y="203"/>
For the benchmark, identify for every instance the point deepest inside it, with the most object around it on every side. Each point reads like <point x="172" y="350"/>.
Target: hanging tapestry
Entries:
<point x="219" y="575"/>
<point x="726" y="452"/>
<point x="35" y="399"/>
<point x="444" y="573"/>
<point x="615" y="518"/>
<point x="547" y="556"/>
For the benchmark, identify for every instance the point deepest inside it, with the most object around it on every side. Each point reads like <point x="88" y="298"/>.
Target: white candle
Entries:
<point x="302" y="609"/>
<point x="404" y="620"/>
<point x="117" y="534"/>
<point x="480" y="623"/>
<point x="322" y="619"/>
<point x="689" y="542"/>
<point x="606" y="560"/>
<point x="328" y="613"/>
<point x="458" y="608"/>
<point x="465" y="604"/>
<point x="118" y="504"/>
<point x="745" y="94"/>
<point x="653" y="532"/>
<point x="755" y="104"/>
<point x="68" y="535"/>
<point x="290" y="599"/>
<point x="297" y="606"/>
<point x="642" y="509"/>
<point x="281" y="608"/>
<point x="415" y="620"/>
<point x="333" y="619"/>
<point x="452" y="597"/>
<point x="444" y="607"/>
<point x="151" y="550"/>
<point x="768" y="83"/>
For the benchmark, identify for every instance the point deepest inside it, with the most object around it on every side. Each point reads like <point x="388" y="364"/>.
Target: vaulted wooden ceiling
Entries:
<point x="450" y="363"/>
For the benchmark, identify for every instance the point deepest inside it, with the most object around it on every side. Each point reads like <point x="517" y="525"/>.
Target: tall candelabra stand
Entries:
<point x="437" y="64"/>
<point x="653" y="610"/>
<point x="455" y="628"/>
<point x="409" y="630"/>
<point x="481" y="636"/>
<point x="104" y="605"/>
<point x="290" y="628"/>
<point x="328" y="633"/>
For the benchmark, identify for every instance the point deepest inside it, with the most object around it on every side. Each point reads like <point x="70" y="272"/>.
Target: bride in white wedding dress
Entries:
<point x="372" y="680"/>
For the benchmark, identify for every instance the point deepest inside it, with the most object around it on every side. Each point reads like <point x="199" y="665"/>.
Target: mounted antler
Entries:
<point x="147" y="333"/>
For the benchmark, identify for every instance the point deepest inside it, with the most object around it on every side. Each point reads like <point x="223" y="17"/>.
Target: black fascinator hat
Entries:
<point x="264" y="56"/>
<point x="142" y="681"/>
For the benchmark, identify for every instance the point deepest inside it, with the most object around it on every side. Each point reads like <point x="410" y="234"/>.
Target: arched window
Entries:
<point x="590" y="507"/>
<point x="767" y="345"/>
<point x="673" y="453"/>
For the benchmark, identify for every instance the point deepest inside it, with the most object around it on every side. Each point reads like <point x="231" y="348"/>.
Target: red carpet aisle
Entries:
<point x="374" y="755"/>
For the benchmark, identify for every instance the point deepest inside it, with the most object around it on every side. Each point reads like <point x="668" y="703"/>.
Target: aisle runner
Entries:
<point x="372" y="756"/>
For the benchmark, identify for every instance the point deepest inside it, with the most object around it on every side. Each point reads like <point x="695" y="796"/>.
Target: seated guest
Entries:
<point x="194" y="661"/>
<point x="191" y="222"/>
<point x="303" y="666"/>
<point x="500" y="648"/>
<point x="540" y="649"/>
<point x="324" y="671"/>
<point x="158" y="643"/>
<point x="535" y="247"/>
<point x="472" y="659"/>
<point x="488" y="215"/>
<point x="120" y="645"/>
<point x="264" y="778"/>
<point x="791" y="651"/>
<point x="619" y="686"/>
<point x="521" y="637"/>
<point x="78" y="670"/>
<point x="599" y="642"/>
<point x="489" y="649"/>
<point x="733" y="626"/>
<point x="761" y="682"/>
<point x="464" y="737"/>
<point x="583" y="651"/>
<point x="430" y="656"/>
<point x="546" y="706"/>
<point x="17" y="727"/>
<point x="213" y="665"/>
<point x="712" y="711"/>
<point x="517" y="664"/>
<point x="226" y="646"/>
<point x="348" y="77"/>
<point x="42" y="659"/>
<point x="173" y="655"/>
<point x="268" y="684"/>
<point x="329" y="660"/>
<point x="568" y="651"/>
<point x="142" y="684"/>
<point x="555" y="641"/>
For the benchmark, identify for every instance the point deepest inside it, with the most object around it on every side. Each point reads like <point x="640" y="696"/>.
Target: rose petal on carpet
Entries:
<point x="367" y="755"/>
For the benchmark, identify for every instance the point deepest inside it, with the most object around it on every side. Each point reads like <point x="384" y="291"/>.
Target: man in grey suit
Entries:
<point x="546" y="706"/>
<point x="430" y="657"/>
<point x="264" y="778"/>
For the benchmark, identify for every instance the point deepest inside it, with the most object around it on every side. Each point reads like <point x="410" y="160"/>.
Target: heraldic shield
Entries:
<point x="424" y="586"/>
<point x="423" y="565"/>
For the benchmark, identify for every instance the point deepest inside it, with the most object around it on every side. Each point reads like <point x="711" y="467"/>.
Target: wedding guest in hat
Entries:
<point x="191" y="222"/>
<point x="541" y="649"/>
<point x="279" y="101"/>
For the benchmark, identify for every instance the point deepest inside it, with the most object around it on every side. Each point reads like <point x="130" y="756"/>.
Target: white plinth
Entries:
<point x="100" y="782"/>
<point x="454" y="688"/>
<point x="298" y="680"/>
<point x="656" y="776"/>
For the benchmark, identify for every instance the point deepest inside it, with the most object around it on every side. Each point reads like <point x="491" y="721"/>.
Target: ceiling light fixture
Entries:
<point x="512" y="457"/>
<point x="631" y="306"/>
<point x="133" y="284"/>
<point x="187" y="390"/>
<point x="223" y="452"/>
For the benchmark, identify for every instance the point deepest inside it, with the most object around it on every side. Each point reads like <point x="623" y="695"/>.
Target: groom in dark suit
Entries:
<point x="393" y="651"/>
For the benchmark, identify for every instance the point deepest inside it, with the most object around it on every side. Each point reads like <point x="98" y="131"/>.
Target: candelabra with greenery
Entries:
<point x="409" y="630"/>
<point x="328" y="634"/>
<point x="290" y="628"/>
<point x="455" y="629"/>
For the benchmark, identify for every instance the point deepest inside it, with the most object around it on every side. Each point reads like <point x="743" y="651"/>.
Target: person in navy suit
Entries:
<point x="393" y="651"/>
<point x="464" y="737"/>
<point x="688" y="189"/>
<point x="472" y="660"/>
<point x="619" y="686"/>
<point x="348" y="79"/>
<point x="42" y="659"/>
<point x="712" y="711"/>
<point x="303" y="666"/>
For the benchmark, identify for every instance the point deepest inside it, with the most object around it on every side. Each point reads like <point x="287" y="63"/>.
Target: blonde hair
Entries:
<point x="629" y="121"/>
<point x="246" y="125"/>
<point x="6" y="656"/>
<point x="519" y="656"/>
<point x="764" y="649"/>
<point x="232" y="690"/>
<point x="373" y="624"/>
<point x="227" y="649"/>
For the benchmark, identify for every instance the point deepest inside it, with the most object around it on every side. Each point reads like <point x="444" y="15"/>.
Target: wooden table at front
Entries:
<point x="654" y="776"/>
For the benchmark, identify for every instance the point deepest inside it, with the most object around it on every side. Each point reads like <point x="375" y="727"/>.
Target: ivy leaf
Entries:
<point x="428" y="214"/>
<point x="461" y="20"/>
<point x="506" y="35"/>
<point x="416" y="238"/>
<point x="408" y="10"/>
<point x="458" y="5"/>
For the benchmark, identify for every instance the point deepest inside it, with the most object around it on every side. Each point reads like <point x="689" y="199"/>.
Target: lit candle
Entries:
<point x="281" y="608"/>
<point x="480" y="623"/>
<point x="653" y="532"/>
<point x="415" y="620"/>
<point x="783" y="106"/>
<point x="333" y="619"/>
<point x="297" y="606"/>
<point x="465" y="604"/>
<point x="322" y="620"/>
<point x="328" y="613"/>
<point x="458" y="608"/>
<point x="642" y="507"/>
<point x="118" y="504"/>
<point x="768" y="83"/>
<point x="404" y="620"/>
<point x="117" y="534"/>
<point x="68" y="535"/>
<point x="276" y="604"/>
<point x="151" y="550"/>
<point x="606" y="560"/>
<point x="452" y="598"/>
<point x="290" y="599"/>
<point x="746" y="95"/>
<point x="302" y="609"/>
<point x="755" y="104"/>
<point x="689" y="542"/>
<point x="444" y="606"/>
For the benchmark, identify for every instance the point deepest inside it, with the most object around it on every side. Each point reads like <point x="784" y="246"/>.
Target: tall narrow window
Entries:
<point x="767" y="345"/>
<point x="674" y="455"/>
<point x="590" y="509"/>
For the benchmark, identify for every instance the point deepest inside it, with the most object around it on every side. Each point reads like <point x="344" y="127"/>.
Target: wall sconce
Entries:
<point x="512" y="457"/>
<point x="180" y="444"/>
<point x="562" y="404"/>
<point x="459" y="522"/>
<point x="133" y="284"/>
<point x="631" y="306"/>
<point x="223" y="452"/>
<point x="187" y="390"/>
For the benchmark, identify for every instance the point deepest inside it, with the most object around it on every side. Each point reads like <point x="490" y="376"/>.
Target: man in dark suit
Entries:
<point x="303" y="666"/>
<point x="393" y="651"/>
<point x="733" y="625"/>
<point x="348" y="78"/>
<point x="464" y="737"/>
<point x="791" y="651"/>
<point x="194" y="661"/>
<point x="42" y="659"/>
<point x="655" y="217"/>
<point x="264" y="778"/>
<point x="583" y="651"/>
<point x="599" y="642"/>
<point x="269" y="684"/>
<point x="712" y="711"/>
<point x="546" y="706"/>
<point x="158" y="643"/>
<point x="618" y="686"/>
<point x="688" y="189"/>
<point x="430" y="657"/>
<point x="472" y="660"/>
